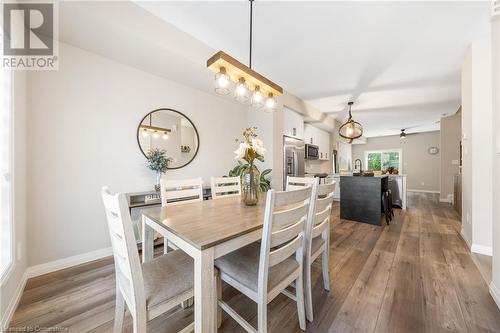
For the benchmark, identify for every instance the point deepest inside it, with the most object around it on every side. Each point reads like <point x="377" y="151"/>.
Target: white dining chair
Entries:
<point x="224" y="187"/>
<point x="179" y="192"/>
<point x="149" y="289"/>
<point x="317" y="239"/>
<point x="294" y="183"/>
<point x="263" y="271"/>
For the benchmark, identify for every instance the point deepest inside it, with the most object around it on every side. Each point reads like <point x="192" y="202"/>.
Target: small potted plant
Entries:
<point x="158" y="161"/>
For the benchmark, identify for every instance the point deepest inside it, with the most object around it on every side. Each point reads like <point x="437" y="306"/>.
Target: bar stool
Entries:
<point x="385" y="206"/>
<point x="390" y="203"/>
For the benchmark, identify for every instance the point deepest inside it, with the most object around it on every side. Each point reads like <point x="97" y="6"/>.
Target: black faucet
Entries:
<point x="360" y="165"/>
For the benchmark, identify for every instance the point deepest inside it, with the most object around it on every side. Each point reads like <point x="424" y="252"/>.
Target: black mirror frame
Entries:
<point x="182" y="114"/>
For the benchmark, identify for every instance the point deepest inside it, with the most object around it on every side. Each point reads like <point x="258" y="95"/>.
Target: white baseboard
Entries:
<point x="63" y="263"/>
<point x="423" y="191"/>
<point x="465" y="238"/>
<point x="11" y="308"/>
<point x="495" y="294"/>
<point x="481" y="249"/>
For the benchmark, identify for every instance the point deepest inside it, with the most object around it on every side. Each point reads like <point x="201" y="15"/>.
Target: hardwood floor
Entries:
<point x="415" y="275"/>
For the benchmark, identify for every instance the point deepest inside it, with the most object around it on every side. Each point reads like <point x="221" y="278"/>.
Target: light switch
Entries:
<point x="454" y="162"/>
<point x="498" y="145"/>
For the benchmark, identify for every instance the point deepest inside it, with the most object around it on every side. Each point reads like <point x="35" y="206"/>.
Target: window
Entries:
<point x="6" y="230"/>
<point x="383" y="159"/>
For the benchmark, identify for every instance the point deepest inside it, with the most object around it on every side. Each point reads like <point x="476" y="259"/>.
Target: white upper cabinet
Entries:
<point x="320" y="138"/>
<point x="293" y="124"/>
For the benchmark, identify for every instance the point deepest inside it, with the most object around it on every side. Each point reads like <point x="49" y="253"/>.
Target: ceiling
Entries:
<point x="398" y="61"/>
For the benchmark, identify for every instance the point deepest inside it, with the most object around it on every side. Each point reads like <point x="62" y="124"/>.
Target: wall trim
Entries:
<point x="63" y="263"/>
<point x="481" y="249"/>
<point x="444" y="200"/>
<point x="495" y="293"/>
<point x="423" y="191"/>
<point x="14" y="302"/>
<point x="462" y="234"/>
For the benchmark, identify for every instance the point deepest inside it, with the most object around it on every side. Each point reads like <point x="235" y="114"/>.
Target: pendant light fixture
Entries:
<point x="250" y="85"/>
<point x="155" y="130"/>
<point x="351" y="129"/>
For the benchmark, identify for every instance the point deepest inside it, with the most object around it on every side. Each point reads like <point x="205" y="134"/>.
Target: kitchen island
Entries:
<point x="361" y="198"/>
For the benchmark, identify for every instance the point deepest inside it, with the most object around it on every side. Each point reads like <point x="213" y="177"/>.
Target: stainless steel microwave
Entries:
<point x="312" y="152"/>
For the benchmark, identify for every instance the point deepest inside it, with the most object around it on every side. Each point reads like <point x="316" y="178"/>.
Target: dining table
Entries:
<point x="205" y="230"/>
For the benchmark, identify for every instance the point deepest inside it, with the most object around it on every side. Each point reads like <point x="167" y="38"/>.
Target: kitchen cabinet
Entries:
<point x="293" y="124"/>
<point x="320" y="138"/>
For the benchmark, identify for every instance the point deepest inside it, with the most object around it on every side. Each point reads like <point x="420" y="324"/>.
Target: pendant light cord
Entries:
<point x="251" y="30"/>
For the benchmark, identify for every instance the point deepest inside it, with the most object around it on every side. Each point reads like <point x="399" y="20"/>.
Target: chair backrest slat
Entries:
<point x="128" y="268"/>
<point x="285" y="252"/>
<point x="284" y="235"/>
<point x="295" y="183"/>
<point x="181" y="191"/>
<point x="323" y="203"/>
<point x="284" y="218"/>
<point x="291" y="197"/>
<point x="319" y="228"/>
<point x="223" y="187"/>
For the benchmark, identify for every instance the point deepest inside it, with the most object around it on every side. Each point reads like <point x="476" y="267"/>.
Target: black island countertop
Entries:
<point x="361" y="197"/>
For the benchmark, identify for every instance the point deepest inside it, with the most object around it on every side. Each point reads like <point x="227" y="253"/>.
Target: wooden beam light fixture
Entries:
<point x="250" y="85"/>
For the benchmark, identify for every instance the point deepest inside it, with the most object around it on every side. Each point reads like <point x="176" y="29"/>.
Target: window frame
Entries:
<point x="381" y="151"/>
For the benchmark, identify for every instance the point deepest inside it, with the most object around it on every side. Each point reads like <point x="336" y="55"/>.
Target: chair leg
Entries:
<point x="139" y="322"/>
<point x="119" y="312"/>
<point x="218" y="286"/>
<point x="308" y="292"/>
<point x="165" y="245"/>
<point x="262" y="316"/>
<point x="299" y="289"/>
<point x="325" y="258"/>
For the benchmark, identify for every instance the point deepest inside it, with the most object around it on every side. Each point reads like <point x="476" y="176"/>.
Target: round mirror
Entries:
<point x="172" y="131"/>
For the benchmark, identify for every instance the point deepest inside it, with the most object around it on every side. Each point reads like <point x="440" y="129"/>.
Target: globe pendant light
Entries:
<point x="351" y="129"/>
<point x="270" y="104"/>
<point x="241" y="93"/>
<point x="402" y="136"/>
<point x="257" y="98"/>
<point x="222" y="82"/>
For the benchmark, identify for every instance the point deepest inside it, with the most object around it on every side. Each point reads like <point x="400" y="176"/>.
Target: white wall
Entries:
<point x="82" y="135"/>
<point x="495" y="281"/>
<point x="467" y="148"/>
<point x="450" y="133"/>
<point x="477" y="202"/>
<point x="421" y="168"/>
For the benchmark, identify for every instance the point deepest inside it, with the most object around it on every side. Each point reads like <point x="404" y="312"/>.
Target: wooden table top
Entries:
<point x="210" y="222"/>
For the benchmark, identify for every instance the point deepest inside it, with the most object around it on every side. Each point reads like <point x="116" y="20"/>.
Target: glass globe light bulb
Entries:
<point x="222" y="82"/>
<point x="241" y="92"/>
<point x="349" y="130"/>
<point x="270" y="103"/>
<point x="145" y="132"/>
<point x="257" y="98"/>
<point x="165" y="136"/>
<point x="156" y="135"/>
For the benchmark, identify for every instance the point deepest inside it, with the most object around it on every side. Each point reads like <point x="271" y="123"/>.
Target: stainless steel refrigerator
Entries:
<point x="293" y="158"/>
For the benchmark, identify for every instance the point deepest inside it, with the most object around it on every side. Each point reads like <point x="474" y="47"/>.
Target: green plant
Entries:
<point x="157" y="160"/>
<point x="264" y="183"/>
